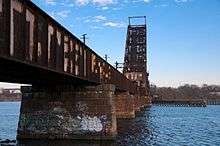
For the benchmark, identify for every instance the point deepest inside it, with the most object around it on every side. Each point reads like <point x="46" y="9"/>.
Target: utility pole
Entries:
<point x="84" y="38"/>
<point x="106" y="57"/>
<point x="116" y="65"/>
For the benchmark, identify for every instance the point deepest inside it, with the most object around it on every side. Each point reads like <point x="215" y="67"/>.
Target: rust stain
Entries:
<point x="50" y="33"/>
<point x="30" y="18"/>
<point x="0" y="5"/>
<point x="37" y="39"/>
<point x="15" y="5"/>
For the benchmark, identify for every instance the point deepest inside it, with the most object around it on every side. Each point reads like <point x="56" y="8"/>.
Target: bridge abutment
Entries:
<point x="86" y="113"/>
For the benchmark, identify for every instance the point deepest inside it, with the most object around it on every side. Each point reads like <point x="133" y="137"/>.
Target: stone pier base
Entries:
<point x="141" y="102"/>
<point x="124" y="105"/>
<point x="86" y="113"/>
<point x="137" y="104"/>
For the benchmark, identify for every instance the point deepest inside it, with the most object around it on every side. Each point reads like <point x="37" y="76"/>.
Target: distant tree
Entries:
<point x="185" y="92"/>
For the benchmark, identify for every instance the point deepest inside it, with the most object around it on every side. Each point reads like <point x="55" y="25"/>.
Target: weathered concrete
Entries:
<point x="124" y="105"/>
<point x="141" y="102"/>
<point x="127" y="105"/>
<point x="137" y="104"/>
<point x="83" y="113"/>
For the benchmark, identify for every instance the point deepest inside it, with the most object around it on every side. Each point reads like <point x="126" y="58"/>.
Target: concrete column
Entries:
<point x="86" y="113"/>
<point x="124" y="105"/>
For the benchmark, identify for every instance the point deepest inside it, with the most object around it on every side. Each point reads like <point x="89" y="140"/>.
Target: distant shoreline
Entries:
<point x="10" y="97"/>
<point x="10" y="100"/>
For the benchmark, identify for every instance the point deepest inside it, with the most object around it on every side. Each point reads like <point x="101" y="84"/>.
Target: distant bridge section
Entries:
<point x="35" y="49"/>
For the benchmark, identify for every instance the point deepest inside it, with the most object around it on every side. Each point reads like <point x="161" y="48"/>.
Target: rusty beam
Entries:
<point x="35" y="40"/>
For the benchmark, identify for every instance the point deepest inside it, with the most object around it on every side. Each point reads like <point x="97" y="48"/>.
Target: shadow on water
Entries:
<point x="137" y="131"/>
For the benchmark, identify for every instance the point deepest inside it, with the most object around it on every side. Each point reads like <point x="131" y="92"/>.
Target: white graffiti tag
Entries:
<point x="91" y="124"/>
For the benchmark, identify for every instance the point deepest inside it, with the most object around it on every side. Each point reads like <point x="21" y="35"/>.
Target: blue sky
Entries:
<point x="183" y="35"/>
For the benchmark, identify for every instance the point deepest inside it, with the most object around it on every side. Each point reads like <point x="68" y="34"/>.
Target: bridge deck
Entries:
<point x="34" y="48"/>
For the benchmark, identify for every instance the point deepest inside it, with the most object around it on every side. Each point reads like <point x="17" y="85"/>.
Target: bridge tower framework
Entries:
<point x="135" y="59"/>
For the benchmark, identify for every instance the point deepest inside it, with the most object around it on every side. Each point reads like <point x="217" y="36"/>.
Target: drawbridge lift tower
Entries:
<point x="135" y="59"/>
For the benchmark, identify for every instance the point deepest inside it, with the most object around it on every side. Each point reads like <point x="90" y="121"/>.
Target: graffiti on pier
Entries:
<point x="92" y="124"/>
<point x="41" y="123"/>
<point x="88" y="123"/>
<point x="81" y="106"/>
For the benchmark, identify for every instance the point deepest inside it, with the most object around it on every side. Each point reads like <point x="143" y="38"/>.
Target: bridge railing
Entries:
<point x="30" y="35"/>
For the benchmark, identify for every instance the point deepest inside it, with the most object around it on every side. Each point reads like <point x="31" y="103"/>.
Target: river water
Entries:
<point x="157" y="126"/>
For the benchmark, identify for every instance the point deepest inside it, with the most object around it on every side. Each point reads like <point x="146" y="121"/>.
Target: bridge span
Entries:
<point x="75" y="94"/>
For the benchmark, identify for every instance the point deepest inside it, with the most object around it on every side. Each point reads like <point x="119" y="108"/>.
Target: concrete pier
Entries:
<point x="127" y="105"/>
<point x="83" y="113"/>
<point x="124" y="105"/>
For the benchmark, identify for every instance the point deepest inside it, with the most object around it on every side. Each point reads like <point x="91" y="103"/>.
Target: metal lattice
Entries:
<point x="135" y="60"/>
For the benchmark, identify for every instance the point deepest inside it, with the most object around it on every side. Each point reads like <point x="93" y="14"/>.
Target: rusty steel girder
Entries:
<point x="34" y="42"/>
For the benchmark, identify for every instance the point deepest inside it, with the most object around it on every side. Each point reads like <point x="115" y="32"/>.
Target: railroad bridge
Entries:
<point x="74" y="93"/>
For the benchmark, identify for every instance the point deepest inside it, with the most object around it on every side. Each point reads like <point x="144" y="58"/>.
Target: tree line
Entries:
<point x="185" y="92"/>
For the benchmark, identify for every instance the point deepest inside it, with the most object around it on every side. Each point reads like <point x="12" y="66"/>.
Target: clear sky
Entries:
<point x="183" y="35"/>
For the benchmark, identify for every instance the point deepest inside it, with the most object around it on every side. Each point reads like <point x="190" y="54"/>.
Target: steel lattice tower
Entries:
<point x="135" y="60"/>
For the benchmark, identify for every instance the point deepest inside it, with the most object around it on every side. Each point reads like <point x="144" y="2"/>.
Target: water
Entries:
<point x="9" y="114"/>
<point x="173" y="126"/>
<point x="157" y="126"/>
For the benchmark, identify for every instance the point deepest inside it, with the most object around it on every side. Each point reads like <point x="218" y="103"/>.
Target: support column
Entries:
<point x="137" y="104"/>
<point x="141" y="102"/>
<point x="145" y="101"/>
<point x="86" y="113"/>
<point x="124" y="105"/>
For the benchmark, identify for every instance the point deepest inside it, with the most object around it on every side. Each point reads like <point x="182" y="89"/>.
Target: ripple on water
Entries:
<point x="174" y="126"/>
<point x="157" y="126"/>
